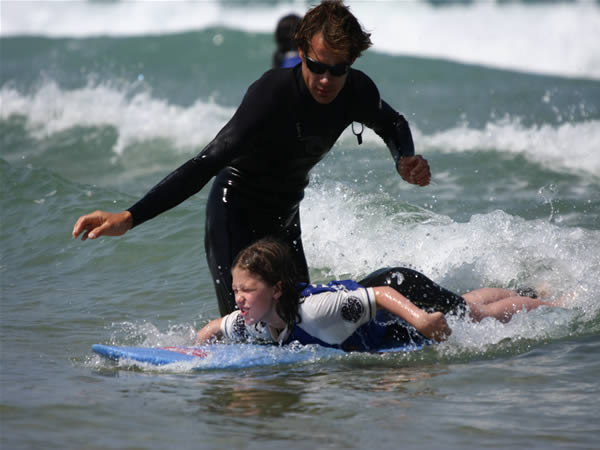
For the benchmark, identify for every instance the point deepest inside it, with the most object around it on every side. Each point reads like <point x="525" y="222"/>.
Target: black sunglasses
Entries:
<point x="320" y="68"/>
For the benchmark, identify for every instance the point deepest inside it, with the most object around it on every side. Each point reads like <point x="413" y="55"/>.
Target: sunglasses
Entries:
<point x="320" y="68"/>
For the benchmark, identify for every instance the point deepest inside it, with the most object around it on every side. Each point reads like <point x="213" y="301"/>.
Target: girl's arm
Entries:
<point x="211" y="331"/>
<point x="431" y="325"/>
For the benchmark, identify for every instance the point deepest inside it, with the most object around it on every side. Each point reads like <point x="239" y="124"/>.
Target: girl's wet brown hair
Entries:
<point x="272" y="261"/>
<point x="341" y="30"/>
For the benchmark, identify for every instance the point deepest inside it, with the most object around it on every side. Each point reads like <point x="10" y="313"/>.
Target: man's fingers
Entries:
<point x="415" y="170"/>
<point x="99" y="231"/>
<point x="81" y="226"/>
<point x="100" y="223"/>
<point x="87" y="224"/>
<point x="421" y="175"/>
<point x="77" y="228"/>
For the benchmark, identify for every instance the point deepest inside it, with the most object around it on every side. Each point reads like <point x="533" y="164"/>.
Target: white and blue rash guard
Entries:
<point x="341" y="314"/>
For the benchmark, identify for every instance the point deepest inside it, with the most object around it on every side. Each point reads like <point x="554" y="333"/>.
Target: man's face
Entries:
<point x="324" y="87"/>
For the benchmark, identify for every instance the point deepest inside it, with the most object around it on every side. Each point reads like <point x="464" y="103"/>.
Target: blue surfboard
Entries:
<point x="219" y="356"/>
<point x="155" y="356"/>
<point x="216" y="356"/>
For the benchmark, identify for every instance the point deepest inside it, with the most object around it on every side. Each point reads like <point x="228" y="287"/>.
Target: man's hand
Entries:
<point x="414" y="170"/>
<point x="100" y="223"/>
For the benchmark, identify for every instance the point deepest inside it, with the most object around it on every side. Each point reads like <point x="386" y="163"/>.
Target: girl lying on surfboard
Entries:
<point x="392" y="307"/>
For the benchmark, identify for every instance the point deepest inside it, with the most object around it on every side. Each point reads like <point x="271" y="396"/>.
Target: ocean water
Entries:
<point x="101" y="99"/>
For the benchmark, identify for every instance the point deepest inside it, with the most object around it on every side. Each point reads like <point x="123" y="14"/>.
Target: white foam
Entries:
<point x="572" y="147"/>
<point x="128" y="18"/>
<point x="562" y="39"/>
<point x="350" y="234"/>
<point x="137" y="117"/>
<point x="523" y="330"/>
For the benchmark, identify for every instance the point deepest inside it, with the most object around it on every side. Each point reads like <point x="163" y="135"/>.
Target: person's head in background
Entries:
<point x="286" y="52"/>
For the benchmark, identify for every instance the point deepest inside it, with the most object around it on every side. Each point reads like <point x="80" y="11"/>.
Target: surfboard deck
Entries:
<point x="226" y="356"/>
<point x="156" y="356"/>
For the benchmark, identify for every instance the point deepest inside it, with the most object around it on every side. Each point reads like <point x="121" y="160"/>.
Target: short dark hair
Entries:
<point x="341" y="30"/>
<point x="285" y="31"/>
<point x="272" y="261"/>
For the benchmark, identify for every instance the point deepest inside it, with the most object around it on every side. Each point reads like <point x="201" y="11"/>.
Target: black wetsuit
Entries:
<point x="261" y="160"/>
<point x="418" y="288"/>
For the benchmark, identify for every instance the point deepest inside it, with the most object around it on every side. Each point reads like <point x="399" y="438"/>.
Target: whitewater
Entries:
<point x="550" y="38"/>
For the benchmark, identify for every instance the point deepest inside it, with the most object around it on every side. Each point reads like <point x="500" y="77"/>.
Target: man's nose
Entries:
<point x="325" y="78"/>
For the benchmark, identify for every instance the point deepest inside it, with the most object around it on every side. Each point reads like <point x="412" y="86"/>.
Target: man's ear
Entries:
<point x="301" y="53"/>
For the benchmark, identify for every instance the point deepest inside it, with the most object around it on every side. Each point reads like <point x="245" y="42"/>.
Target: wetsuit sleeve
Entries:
<point x="396" y="136"/>
<point x="187" y="180"/>
<point x="378" y="115"/>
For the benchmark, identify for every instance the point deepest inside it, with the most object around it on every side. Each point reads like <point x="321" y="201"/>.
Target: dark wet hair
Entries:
<point x="341" y="30"/>
<point x="272" y="261"/>
<point x="284" y="38"/>
<point x="285" y="31"/>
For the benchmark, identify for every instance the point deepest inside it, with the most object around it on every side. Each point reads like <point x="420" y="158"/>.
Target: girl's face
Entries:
<point x="255" y="298"/>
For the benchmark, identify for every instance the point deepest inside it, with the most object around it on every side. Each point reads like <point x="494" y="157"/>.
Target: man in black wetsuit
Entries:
<point x="288" y="120"/>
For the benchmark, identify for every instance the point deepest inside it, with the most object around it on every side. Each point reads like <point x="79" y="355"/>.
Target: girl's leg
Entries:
<point x="492" y="302"/>
<point x="484" y="296"/>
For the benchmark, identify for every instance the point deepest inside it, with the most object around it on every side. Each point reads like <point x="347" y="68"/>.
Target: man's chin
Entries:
<point x="323" y="97"/>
